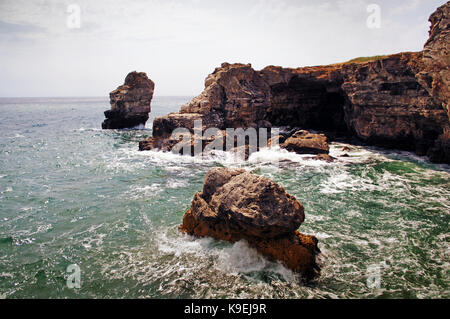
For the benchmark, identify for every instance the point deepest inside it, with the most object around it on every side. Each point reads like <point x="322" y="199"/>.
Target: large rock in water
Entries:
<point x="398" y="101"/>
<point x="130" y="102"/>
<point x="236" y="205"/>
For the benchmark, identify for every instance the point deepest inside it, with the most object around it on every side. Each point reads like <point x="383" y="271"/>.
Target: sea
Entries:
<point x="84" y="214"/>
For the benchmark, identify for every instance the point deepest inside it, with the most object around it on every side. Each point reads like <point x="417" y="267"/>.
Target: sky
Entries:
<point x="45" y="52"/>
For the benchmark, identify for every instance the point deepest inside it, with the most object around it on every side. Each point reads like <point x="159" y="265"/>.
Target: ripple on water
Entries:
<point x="79" y="194"/>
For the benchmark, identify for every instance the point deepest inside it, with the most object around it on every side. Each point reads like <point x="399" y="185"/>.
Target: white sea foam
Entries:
<point x="147" y="191"/>
<point x="266" y="157"/>
<point x="232" y="259"/>
<point x="93" y="241"/>
<point x="339" y="183"/>
<point x="82" y="129"/>
<point x="176" y="183"/>
<point x="139" y="127"/>
<point x="322" y="235"/>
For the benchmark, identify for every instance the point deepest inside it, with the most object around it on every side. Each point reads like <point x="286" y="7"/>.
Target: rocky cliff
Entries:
<point x="130" y="102"/>
<point x="237" y="205"/>
<point x="398" y="101"/>
<point x="436" y="58"/>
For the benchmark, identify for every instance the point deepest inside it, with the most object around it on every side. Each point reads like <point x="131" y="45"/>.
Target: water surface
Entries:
<point x="71" y="193"/>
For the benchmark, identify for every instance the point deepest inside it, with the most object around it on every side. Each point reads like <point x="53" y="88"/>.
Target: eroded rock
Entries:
<point x="130" y="102"/>
<point x="304" y="142"/>
<point x="436" y="57"/>
<point x="236" y="205"/>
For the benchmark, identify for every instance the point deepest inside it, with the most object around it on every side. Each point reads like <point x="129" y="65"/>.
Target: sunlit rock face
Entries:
<point x="436" y="56"/>
<point x="436" y="75"/>
<point x="388" y="106"/>
<point x="130" y="103"/>
<point x="237" y="205"/>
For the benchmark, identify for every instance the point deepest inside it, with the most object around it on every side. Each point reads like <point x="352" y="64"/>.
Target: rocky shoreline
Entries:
<point x="398" y="101"/>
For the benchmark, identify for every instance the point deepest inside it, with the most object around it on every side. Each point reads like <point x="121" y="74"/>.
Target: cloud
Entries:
<point x="178" y="42"/>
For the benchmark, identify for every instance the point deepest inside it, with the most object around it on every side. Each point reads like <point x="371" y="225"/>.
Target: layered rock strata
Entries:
<point x="130" y="103"/>
<point x="237" y="205"/>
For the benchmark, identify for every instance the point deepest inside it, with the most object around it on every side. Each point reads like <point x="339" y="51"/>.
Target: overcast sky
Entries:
<point x="179" y="42"/>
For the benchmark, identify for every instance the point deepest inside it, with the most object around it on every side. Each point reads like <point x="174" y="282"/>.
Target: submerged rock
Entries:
<point x="130" y="102"/>
<point x="323" y="157"/>
<point x="436" y="57"/>
<point x="236" y="205"/>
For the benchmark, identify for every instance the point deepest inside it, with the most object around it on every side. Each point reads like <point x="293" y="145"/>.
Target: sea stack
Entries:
<point x="237" y="205"/>
<point x="130" y="103"/>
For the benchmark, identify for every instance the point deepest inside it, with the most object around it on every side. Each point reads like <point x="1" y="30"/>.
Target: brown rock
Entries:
<point x="440" y="152"/>
<point x="436" y="57"/>
<point x="130" y="103"/>
<point x="323" y="157"/>
<point x="236" y="204"/>
<point x="147" y="144"/>
<point x="398" y="101"/>
<point x="304" y="142"/>
<point x="388" y="106"/>
<point x="187" y="145"/>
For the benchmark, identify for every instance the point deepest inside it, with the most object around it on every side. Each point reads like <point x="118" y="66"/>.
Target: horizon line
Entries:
<point x="79" y="96"/>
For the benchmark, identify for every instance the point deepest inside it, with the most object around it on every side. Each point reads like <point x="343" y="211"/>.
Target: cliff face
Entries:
<point x="130" y="102"/>
<point x="436" y="56"/>
<point x="399" y="101"/>
<point x="387" y="105"/>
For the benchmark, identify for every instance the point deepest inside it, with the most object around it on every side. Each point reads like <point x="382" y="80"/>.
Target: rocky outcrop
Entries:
<point x="436" y="75"/>
<point x="304" y="142"/>
<point x="237" y="205"/>
<point x="398" y="101"/>
<point x="130" y="102"/>
<point x="436" y="57"/>
<point x="324" y="157"/>
<point x="387" y="105"/>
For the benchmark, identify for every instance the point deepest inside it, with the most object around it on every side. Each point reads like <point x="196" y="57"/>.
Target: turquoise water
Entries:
<point x="71" y="193"/>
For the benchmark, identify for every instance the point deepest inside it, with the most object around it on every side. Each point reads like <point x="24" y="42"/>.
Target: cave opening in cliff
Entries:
<point x="309" y="104"/>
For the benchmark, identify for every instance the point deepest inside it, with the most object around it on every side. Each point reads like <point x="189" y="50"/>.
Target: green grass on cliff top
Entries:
<point x="366" y="59"/>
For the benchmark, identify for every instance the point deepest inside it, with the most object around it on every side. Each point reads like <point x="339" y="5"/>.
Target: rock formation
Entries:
<point x="299" y="141"/>
<point x="398" y="101"/>
<point x="304" y="142"/>
<point x="130" y="102"/>
<point x="436" y="57"/>
<point x="236" y="205"/>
